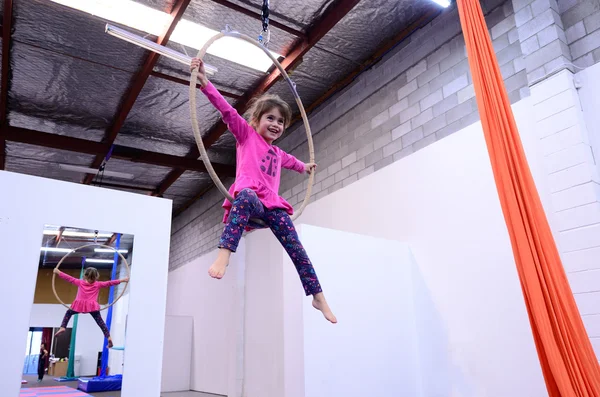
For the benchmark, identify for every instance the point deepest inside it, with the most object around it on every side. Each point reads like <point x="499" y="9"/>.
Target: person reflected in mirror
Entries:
<point x="42" y="362"/>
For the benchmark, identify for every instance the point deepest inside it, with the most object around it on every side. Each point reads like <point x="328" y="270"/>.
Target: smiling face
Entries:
<point x="271" y="125"/>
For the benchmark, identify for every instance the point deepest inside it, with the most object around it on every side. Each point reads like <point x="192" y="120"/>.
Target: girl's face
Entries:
<point x="271" y="125"/>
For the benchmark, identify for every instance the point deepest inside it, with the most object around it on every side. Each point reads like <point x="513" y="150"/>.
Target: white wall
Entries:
<point x="216" y="309"/>
<point x="28" y="203"/>
<point x="89" y="336"/>
<point x="368" y="284"/>
<point x="177" y="354"/>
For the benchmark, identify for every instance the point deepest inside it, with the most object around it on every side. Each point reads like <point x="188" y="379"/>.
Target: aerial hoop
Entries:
<point x="77" y="249"/>
<point x="196" y="128"/>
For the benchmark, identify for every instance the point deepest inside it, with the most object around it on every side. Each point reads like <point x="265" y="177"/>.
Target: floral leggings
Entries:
<point x="96" y="315"/>
<point x="247" y="205"/>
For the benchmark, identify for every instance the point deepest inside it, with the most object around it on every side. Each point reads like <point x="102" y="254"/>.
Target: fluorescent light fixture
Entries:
<point x="108" y="251"/>
<point x="149" y="20"/>
<point x="50" y="249"/>
<point x="99" y="260"/>
<point x="76" y="234"/>
<point x="152" y="46"/>
<point x="443" y="3"/>
<point x="93" y="171"/>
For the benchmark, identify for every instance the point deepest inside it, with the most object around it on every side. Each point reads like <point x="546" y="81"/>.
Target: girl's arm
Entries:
<point x="70" y="279"/>
<point x="236" y="123"/>
<point x="292" y="163"/>
<point x="105" y="284"/>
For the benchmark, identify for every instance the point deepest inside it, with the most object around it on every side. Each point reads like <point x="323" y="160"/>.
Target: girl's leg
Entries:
<point x="98" y="318"/>
<point x="41" y="368"/>
<point x="65" y="322"/>
<point x="282" y="226"/>
<point x="245" y="206"/>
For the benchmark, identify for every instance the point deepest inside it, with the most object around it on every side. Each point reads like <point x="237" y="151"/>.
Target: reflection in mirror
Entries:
<point x="79" y="315"/>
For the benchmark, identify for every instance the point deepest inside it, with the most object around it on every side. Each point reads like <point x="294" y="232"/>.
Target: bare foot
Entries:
<point x="110" y="343"/>
<point x="320" y="303"/>
<point x="60" y="331"/>
<point x="217" y="270"/>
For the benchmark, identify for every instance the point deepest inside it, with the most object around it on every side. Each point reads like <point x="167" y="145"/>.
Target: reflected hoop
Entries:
<point x="77" y="249"/>
<point x="198" y="136"/>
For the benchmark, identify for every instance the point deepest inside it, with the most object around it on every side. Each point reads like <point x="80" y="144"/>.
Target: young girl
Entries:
<point x="87" y="298"/>
<point x="256" y="186"/>
<point x="42" y="362"/>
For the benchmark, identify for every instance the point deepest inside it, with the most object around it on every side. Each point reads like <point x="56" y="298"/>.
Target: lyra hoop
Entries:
<point x="77" y="249"/>
<point x="198" y="136"/>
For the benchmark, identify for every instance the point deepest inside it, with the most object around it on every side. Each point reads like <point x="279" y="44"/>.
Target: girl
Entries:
<point x="42" y="362"/>
<point x="87" y="298"/>
<point x="256" y="187"/>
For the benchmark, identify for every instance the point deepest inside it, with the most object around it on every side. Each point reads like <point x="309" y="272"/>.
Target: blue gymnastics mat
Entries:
<point x="99" y="384"/>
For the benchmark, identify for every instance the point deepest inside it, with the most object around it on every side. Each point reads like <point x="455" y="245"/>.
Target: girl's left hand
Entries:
<point x="56" y="271"/>
<point x="310" y="167"/>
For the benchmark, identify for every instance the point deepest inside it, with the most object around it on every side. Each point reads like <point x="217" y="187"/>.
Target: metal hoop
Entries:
<point x="77" y="249"/>
<point x="198" y="136"/>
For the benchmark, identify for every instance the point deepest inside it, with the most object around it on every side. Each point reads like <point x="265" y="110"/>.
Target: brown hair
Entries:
<point x="91" y="274"/>
<point x="263" y="104"/>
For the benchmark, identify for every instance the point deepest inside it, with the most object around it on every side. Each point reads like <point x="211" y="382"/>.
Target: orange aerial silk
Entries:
<point x="566" y="356"/>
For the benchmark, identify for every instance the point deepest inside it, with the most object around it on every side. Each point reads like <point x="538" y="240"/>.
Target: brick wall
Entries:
<point x="420" y="93"/>
<point x="581" y="20"/>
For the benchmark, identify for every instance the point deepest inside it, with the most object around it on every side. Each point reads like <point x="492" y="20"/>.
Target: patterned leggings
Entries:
<point x="96" y="316"/>
<point x="247" y="205"/>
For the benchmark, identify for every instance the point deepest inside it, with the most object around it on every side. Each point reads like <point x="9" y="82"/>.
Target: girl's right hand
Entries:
<point x="56" y="271"/>
<point x="199" y="64"/>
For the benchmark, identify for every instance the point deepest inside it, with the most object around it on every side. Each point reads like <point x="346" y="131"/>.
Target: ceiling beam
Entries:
<point x="334" y="13"/>
<point x="137" y="86"/>
<point x="256" y="15"/>
<point x="135" y="155"/>
<point x="6" y="28"/>
<point x="187" y="82"/>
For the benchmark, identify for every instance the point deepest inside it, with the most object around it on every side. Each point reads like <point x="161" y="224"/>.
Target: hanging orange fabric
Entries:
<point x="567" y="359"/>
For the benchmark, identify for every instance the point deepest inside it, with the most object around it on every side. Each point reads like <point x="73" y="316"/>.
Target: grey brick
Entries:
<point x="537" y="24"/>
<point x="392" y="147"/>
<point x="343" y="174"/>
<point x="383" y="163"/>
<point x="578" y="12"/>
<point x="508" y="8"/>
<point x="556" y="64"/>
<point x="431" y="99"/>
<point x="494" y="17"/>
<point x="548" y="53"/>
<point x="437" y="56"/>
<point x="536" y="75"/>
<point x="366" y="172"/>
<point x="585" y="61"/>
<point x="466" y="93"/>
<point x="507" y="70"/>
<point x="401" y="130"/>
<point x="455" y="85"/>
<point x="596" y="54"/>
<point x="335" y="167"/>
<point x="539" y="6"/>
<point x="519" y="4"/>
<point x="445" y="105"/>
<point x="407" y="89"/>
<point x="501" y="43"/>
<point x="592" y="22"/>
<point x="428" y="75"/>
<point x="422" y="118"/>
<point x="523" y="16"/>
<point x="382" y="140"/>
<point x="373" y="157"/>
<point x="380" y="119"/>
<point x="424" y="49"/>
<point x="519" y="64"/>
<point x="410" y="113"/>
<point x="461" y="110"/>
<point x="349" y="180"/>
<point x="426" y="141"/>
<point x="392" y="123"/>
<point x="335" y="187"/>
<point x="403" y="153"/>
<point x="575" y="32"/>
<point x="349" y="159"/>
<point x="412" y="137"/>
<point x="564" y="5"/>
<point x="363" y="151"/>
<point x="461" y="68"/>
<point x="469" y="119"/>
<point x="356" y="167"/>
<point x="549" y="34"/>
<point x="398" y="107"/>
<point x="503" y="27"/>
<point x="419" y="94"/>
<point x="513" y="36"/>
<point x="433" y="125"/>
<point x="416" y="70"/>
<point x="516" y="82"/>
<point x="329" y="181"/>
<point x="449" y="129"/>
<point x="455" y="57"/>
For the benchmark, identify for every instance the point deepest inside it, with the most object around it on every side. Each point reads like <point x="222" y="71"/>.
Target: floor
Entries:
<point x="49" y="381"/>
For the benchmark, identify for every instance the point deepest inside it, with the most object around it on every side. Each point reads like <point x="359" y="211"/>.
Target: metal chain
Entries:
<point x="265" y="35"/>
